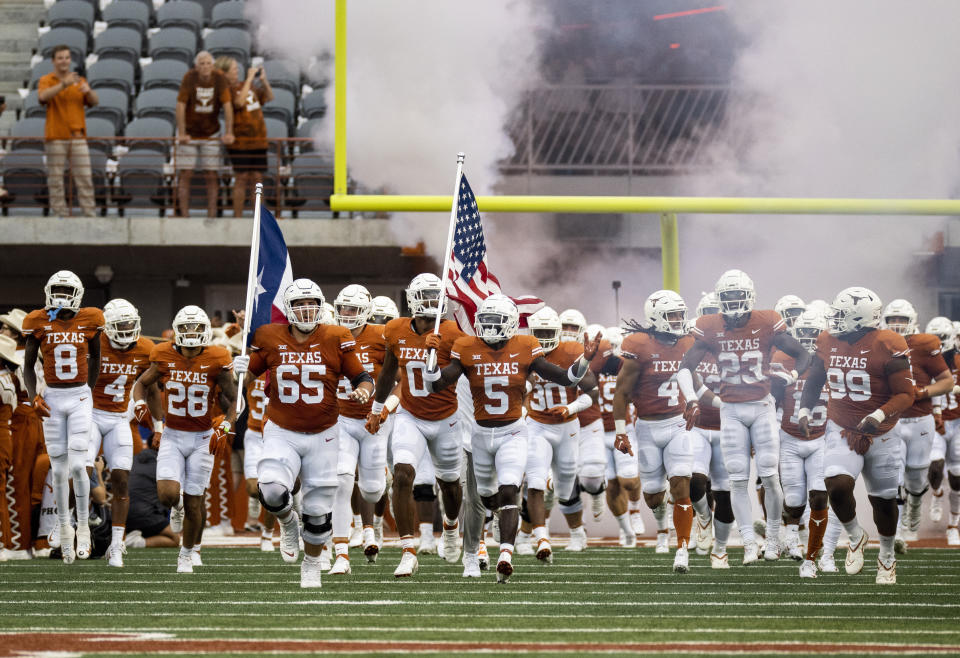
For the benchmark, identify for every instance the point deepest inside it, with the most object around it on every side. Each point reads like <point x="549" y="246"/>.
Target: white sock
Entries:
<point x="342" y="514"/>
<point x="61" y="488"/>
<point x="702" y="508"/>
<point x="633" y="506"/>
<point x="773" y="501"/>
<point x="377" y="521"/>
<point x="196" y="548"/>
<point x="116" y="535"/>
<point x="624" y="522"/>
<point x="341" y="548"/>
<point x="426" y="529"/>
<point x="660" y="515"/>
<point x="721" y="533"/>
<point x="357" y="520"/>
<point x="832" y="534"/>
<point x="742" y="510"/>
<point x="184" y="551"/>
<point x="540" y="532"/>
<point x="853" y="530"/>
<point x="506" y="547"/>
<point x="954" y="497"/>
<point x="886" y="550"/>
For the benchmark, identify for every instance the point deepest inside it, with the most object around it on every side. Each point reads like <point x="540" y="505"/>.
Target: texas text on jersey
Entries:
<point x="370" y="349"/>
<point x="926" y="362"/>
<point x="119" y="369"/>
<point x="546" y="395"/>
<point x="411" y="353"/>
<point x="497" y="376"/>
<point x="656" y="393"/>
<point x="304" y="376"/>
<point x="63" y="343"/>
<point x="190" y="385"/>
<point x="791" y="404"/>
<point x="743" y="353"/>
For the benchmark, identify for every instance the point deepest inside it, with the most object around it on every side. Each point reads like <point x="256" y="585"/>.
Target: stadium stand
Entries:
<point x="163" y="73"/>
<point x="231" y="42"/>
<point x="229" y="14"/>
<point x="71" y="37"/>
<point x="119" y="43"/>
<point x="157" y="102"/>
<point x="183" y="14"/>
<point x="72" y="13"/>
<point x="114" y="105"/>
<point x="112" y="74"/>
<point x="175" y="43"/>
<point x="127" y="13"/>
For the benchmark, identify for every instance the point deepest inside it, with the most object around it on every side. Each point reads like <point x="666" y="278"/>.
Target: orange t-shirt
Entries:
<point x="119" y="369"/>
<point x="63" y="343"/>
<point x="249" y="128"/>
<point x="190" y="385"/>
<point x="546" y="395"/>
<point x="203" y="103"/>
<point x="498" y="378"/>
<point x="65" y="111"/>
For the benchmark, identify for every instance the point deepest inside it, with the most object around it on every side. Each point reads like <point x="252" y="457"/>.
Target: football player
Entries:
<point x="306" y="360"/>
<point x="124" y="356"/>
<point x="592" y="474"/>
<point x="498" y="362"/>
<point x="423" y="422"/>
<point x="870" y="386"/>
<point x="554" y="431"/>
<point x="789" y="307"/>
<point x="946" y="445"/>
<point x="196" y="377"/>
<point x="663" y="445"/>
<point x="801" y="453"/>
<point x="360" y="451"/>
<point x="917" y="426"/>
<point x="67" y="337"/>
<point x="742" y="340"/>
<point x="252" y="454"/>
<point x="382" y="310"/>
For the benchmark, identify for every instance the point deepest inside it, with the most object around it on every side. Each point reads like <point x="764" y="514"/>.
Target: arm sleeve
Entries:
<point x="816" y="378"/>
<point x="901" y="385"/>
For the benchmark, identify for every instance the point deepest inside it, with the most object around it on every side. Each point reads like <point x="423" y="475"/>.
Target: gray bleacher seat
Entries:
<point x="163" y="73"/>
<point x="173" y="43"/>
<point x="100" y="127"/>
<point x="119" y="43"/>
<point x="43" y="67"/>
<point x="113" y="74"/>
<point x="181" y="13"/>
<point x="314" y="104"/>
<point x="283" y="74"/>
<point x="71" y="13"/>
<point x="128" y="13"/>
<point x="24" y="178"/>
<point x="32" y="106"/>
<point x="157" y="102"/>
<point x="229" y="14"/>
<point x="283" y="107"/>
<point x="208" y="6"/>
<point x="305" y="131"/>
<point x="93" y="3"/>
<point x="229" y="42"/>
<point x="312" y="182"/>
<point x="140" y="131"/>
<point x="27" y="133"/>
<point x="71" y="37"/>
<point x="276" y="129"/>
<point x="140" y="181"/>
<point x="114" y="105"/>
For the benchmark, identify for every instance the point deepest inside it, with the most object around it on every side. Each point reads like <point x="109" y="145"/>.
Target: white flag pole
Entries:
<point x="251" y="285"/>
<point x="432" y="357"/>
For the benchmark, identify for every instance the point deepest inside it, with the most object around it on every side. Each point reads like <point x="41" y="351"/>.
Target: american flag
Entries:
<point x="469" y="281"/>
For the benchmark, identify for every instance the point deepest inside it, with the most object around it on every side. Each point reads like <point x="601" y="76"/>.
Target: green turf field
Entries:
<point x="607" y="600"/>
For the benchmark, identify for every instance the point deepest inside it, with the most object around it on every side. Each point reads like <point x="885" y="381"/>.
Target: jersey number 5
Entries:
<point x="290" y="379"/>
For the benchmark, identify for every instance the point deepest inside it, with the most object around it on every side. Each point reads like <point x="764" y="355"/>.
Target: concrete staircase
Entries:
<point x="18" y="38"/>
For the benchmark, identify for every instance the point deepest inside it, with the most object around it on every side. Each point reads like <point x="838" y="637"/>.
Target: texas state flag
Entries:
<point x="274" y="274"/>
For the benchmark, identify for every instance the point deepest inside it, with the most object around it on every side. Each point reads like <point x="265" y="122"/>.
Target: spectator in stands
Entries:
<point x="248" y="155"/>
<point x="147" y="522"/>
<point x="66" y="96"/>
<point x="204" y="92"/>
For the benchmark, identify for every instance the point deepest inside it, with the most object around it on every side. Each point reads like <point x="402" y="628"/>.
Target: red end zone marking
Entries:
<point x="14" y="644"/>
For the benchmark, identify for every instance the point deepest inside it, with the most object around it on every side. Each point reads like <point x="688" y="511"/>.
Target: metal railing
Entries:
<point x="616" y="130"/>
<point x="139" y="175"/>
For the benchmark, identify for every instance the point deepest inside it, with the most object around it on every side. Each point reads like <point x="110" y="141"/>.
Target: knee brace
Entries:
<point x="524" y="511"/>
<point x="723" y="510"/>
<point x="573" y="504"/>
<point x="593" y="485"/>
<point x="317" y="529"/>
<point x="274" y="497"/>
<point x="915" y="481"/>
<point x="698" y="486"/>
<point x="424" y="493"/>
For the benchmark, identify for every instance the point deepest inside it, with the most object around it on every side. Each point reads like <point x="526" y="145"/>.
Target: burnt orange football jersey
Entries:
<point x="742" y="353"/>
<point x="605" y="366"/>
<point x="119" y="369"/>
<point x="790" y="422"/>
<point x="709" y="418"/>
<point x="926" y="362"/>
<point x="304" y="377"/>
<point x="498" y="378"/>
<point x="856" y="376"/>
<point x="63" y="343"/>
<point x="256" y="403"/>
<point x="411" y="353"/>
<point x="656" y="392"/>
<point x="370" y="350"/>
<point x="190" y="385"/>
<point x="545" y="395"/>
<point x="951" y="408"/>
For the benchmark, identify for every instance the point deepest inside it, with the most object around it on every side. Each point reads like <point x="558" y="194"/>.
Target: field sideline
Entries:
<point x="605" y="601"/>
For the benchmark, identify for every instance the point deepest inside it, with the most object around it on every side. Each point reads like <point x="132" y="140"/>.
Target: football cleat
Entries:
<point x="808" y="569"/>
<point x="771" y="552"/>
<point x="451" y="543"/>
<point x="524" y="544"/>
<point x="371" y="547"/>
<point x="356" y="537"/>
<point x="341" y="567"/>
<point x="378" y="532"/>
<point x="663" y="543"/>
<point x="195" y="557"/>
<point x="900" y="541"/>
<point x="310" y="574"/>
<point x="544" y="552"/>
<point x="854" y="562"/>
<point x="53" y="539"/>
<point x="719" y="561"/>
<point x="886" y="574"/>
<point x="504" y="566"/>
<point x="636" y="520"/>
<point x="290" y="538"/>
<point x="176" y="517"/>
<point x="628" y="539"/>
<point x="953" y="536"/>
<point x="483" y="559"/>
<point x="115" y="555"/>
<point x="83" y="542"/>
<point x="936" y="507"/>
<point x="184" y="564"/>
<point x="792" y="542"/>
<point x="596" y="506"/>
<point x="24" y="554"/>
<point x="578" y="539"/>
<point x="428" y="544"/>
<point x="760" y="528"/>
<point x="681" y="560"/>
<point x="408" y="565"/>
<point x="703" y="537"/>
<point x="266" y="544"/>
<point x="325" y="557"/>
<point x="66" y="544"/>
<point x="134" y="539"/>
<point x="471" y="566"/>
<point x="751" y="553"/>
<point x="827" y="564"/>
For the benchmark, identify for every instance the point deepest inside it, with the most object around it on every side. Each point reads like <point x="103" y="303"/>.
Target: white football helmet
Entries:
<point x="578" y="323"/>
<point x="351" y="308"/>
<point x="68" y="293"/>
<point x="708" y="305"/>
<point x="594" y="330"/>
<point x="328" y="315"/>
<point x="304" y="317"/>
<point x="497" y="319"/>
<point x="853" y="309"/>
<point x="423" y="296"/>
<point x="382" y="310"/>
<point x="942" y="328"/>
<point x="735" y="293"/>
<point x="666" y="312"/>
<point x="545" y="327"/>
<point x="807" y="328"/>
<point x="191" y="327"/>
<point x="820" y="306"/>
<point x="901" y="317"/>
<point x="790" y="307"/>
<point x="614" y="336"/>
<point x="121" y="322"/>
